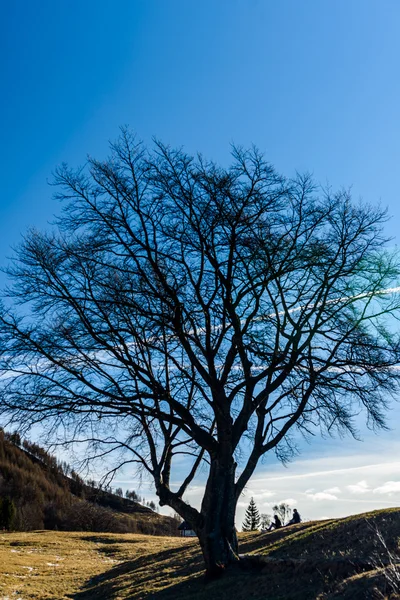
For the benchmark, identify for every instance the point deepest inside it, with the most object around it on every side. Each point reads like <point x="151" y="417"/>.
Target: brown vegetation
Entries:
<point x="49" y="495"/>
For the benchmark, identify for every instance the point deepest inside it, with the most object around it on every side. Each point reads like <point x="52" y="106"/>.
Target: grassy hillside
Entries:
<point x="339" y="559"/>
<point x="49" y="495"/>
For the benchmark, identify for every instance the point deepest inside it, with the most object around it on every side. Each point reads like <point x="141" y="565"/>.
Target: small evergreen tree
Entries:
<point x="15" y="438"/>
<point x="251" y="518"/>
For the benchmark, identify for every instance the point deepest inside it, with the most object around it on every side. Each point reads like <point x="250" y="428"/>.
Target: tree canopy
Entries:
<point x="180" y="308"/>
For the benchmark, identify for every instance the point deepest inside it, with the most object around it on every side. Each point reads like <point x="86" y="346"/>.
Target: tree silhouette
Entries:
<point x="132" y="495"/>
<point x="181" y="309"/>
<point x="252" y="518"/>
<point x="266" y="520"/>
<point x="283" y="511"/>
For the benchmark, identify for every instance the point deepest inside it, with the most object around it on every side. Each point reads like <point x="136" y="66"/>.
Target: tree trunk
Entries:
<point x="217" y="534"/>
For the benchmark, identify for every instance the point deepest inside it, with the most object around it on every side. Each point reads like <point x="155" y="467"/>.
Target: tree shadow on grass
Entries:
<point x="137" y="580"/>
<point x="98" y="539"/>
<point x="145" y="576"/>
<point x="262" y="541"/>
<point x="175" y="574"/>
<point x="178" y="574"/>
<point x="170" y="574"/>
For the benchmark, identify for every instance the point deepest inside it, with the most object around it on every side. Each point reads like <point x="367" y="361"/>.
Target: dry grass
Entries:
<point x="57" y="565"/>
<point x="89" y="566"/>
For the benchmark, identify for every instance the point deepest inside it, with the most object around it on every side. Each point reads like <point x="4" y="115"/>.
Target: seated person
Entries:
<point x="276" y="523"/>
<point x="295" y="519"/>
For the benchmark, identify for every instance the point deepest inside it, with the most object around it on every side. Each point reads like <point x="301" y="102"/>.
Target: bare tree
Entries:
<point x="283" y="511"/>
<point x="266" y="520"/>
<point x="180" y="308"/>
<point x="132" y="495"/>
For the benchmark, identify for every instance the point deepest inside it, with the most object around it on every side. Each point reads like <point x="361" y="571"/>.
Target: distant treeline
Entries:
<point x="39" y="492"/>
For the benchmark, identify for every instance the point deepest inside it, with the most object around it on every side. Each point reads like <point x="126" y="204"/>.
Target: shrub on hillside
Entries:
<point x="7" y="513"/>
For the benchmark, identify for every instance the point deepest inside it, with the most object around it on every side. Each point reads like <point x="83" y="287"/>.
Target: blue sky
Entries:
<point x="315" y="85"/>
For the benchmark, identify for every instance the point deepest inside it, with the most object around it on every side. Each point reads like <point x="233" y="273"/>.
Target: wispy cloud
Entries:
<point x="263" y="495"/>
<point x="361" y="487"/>
<point x="390" y="487"/>
<point x="321" y="496"/>
<point x="333" y="490"/>
<point x="290" y="501"/>
<point x="374" y="466"/>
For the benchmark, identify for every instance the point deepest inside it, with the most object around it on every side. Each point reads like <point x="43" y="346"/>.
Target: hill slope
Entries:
<point x="45" y="497"/>
<point x="326" y="560"/>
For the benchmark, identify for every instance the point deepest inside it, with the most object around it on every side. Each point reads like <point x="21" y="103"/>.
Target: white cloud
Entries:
<point x="327" y="494"/>
<point x="390" y="487"/>
<point x="312" y="469"/>
<point x="266" y="507"/>
<point x="333" y="490"/>
<point x="263" y="495"/>
<point x="290" y="501"/>
<point x="318" y="496"/>
<point x="361" y="487"/>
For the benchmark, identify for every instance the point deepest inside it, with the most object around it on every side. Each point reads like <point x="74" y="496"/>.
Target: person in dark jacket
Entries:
<point x="295" y="519"/>
<point x="276" y="523"/>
